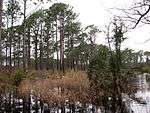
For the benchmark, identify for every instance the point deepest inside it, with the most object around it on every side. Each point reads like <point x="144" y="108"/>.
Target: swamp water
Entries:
<point x="143" y="93"/>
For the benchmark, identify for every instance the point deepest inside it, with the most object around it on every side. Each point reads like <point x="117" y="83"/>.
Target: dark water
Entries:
<point x="143" y="93"/>
<point x="133" y="106"/>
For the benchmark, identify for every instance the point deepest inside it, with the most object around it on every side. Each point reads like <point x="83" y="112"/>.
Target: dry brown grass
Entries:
<point x="57" y="87"/>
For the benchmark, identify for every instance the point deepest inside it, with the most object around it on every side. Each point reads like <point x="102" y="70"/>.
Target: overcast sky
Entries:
<point x="99" y="12"/>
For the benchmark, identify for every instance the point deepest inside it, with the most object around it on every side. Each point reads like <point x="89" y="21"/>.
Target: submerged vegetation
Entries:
<point x="55" y="91"/>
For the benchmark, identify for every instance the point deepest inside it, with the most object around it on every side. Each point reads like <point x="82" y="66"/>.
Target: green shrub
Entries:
<point x="18" y="77"/>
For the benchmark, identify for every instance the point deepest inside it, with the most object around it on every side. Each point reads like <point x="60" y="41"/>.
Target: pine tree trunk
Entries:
<point x="24" y="37"/>
<point x="29" y="49"/>
<point x="1" y="11"/>
<point x="41" y="49"/>
<point x="53" y="59"/>
<point x="14" y="56"/>
<point x="47" y="56"/>
<point x="36" y="57"/>
<point x="62" y="42"/>
<point x="6" y="54"/>
<point x="72" y="46"/>
<point x="57" y="47"/>
<point x="11" y="34"/>
<point x="19" y="47"/>
<point x="41" y="56"/>
<point x="7" y="43"/>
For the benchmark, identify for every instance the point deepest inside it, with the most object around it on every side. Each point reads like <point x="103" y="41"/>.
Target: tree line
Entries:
<point x="47" y="39"/>
<point x="50" y="38"/>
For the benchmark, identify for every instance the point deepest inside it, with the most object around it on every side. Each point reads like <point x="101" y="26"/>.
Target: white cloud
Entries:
<point x="99" y="12"/>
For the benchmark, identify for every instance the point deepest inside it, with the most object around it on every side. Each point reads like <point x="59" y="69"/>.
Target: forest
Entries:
<point x="51" y="63"/>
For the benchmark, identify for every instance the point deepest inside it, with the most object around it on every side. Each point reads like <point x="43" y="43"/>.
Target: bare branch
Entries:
<point x="142" y="15"/>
